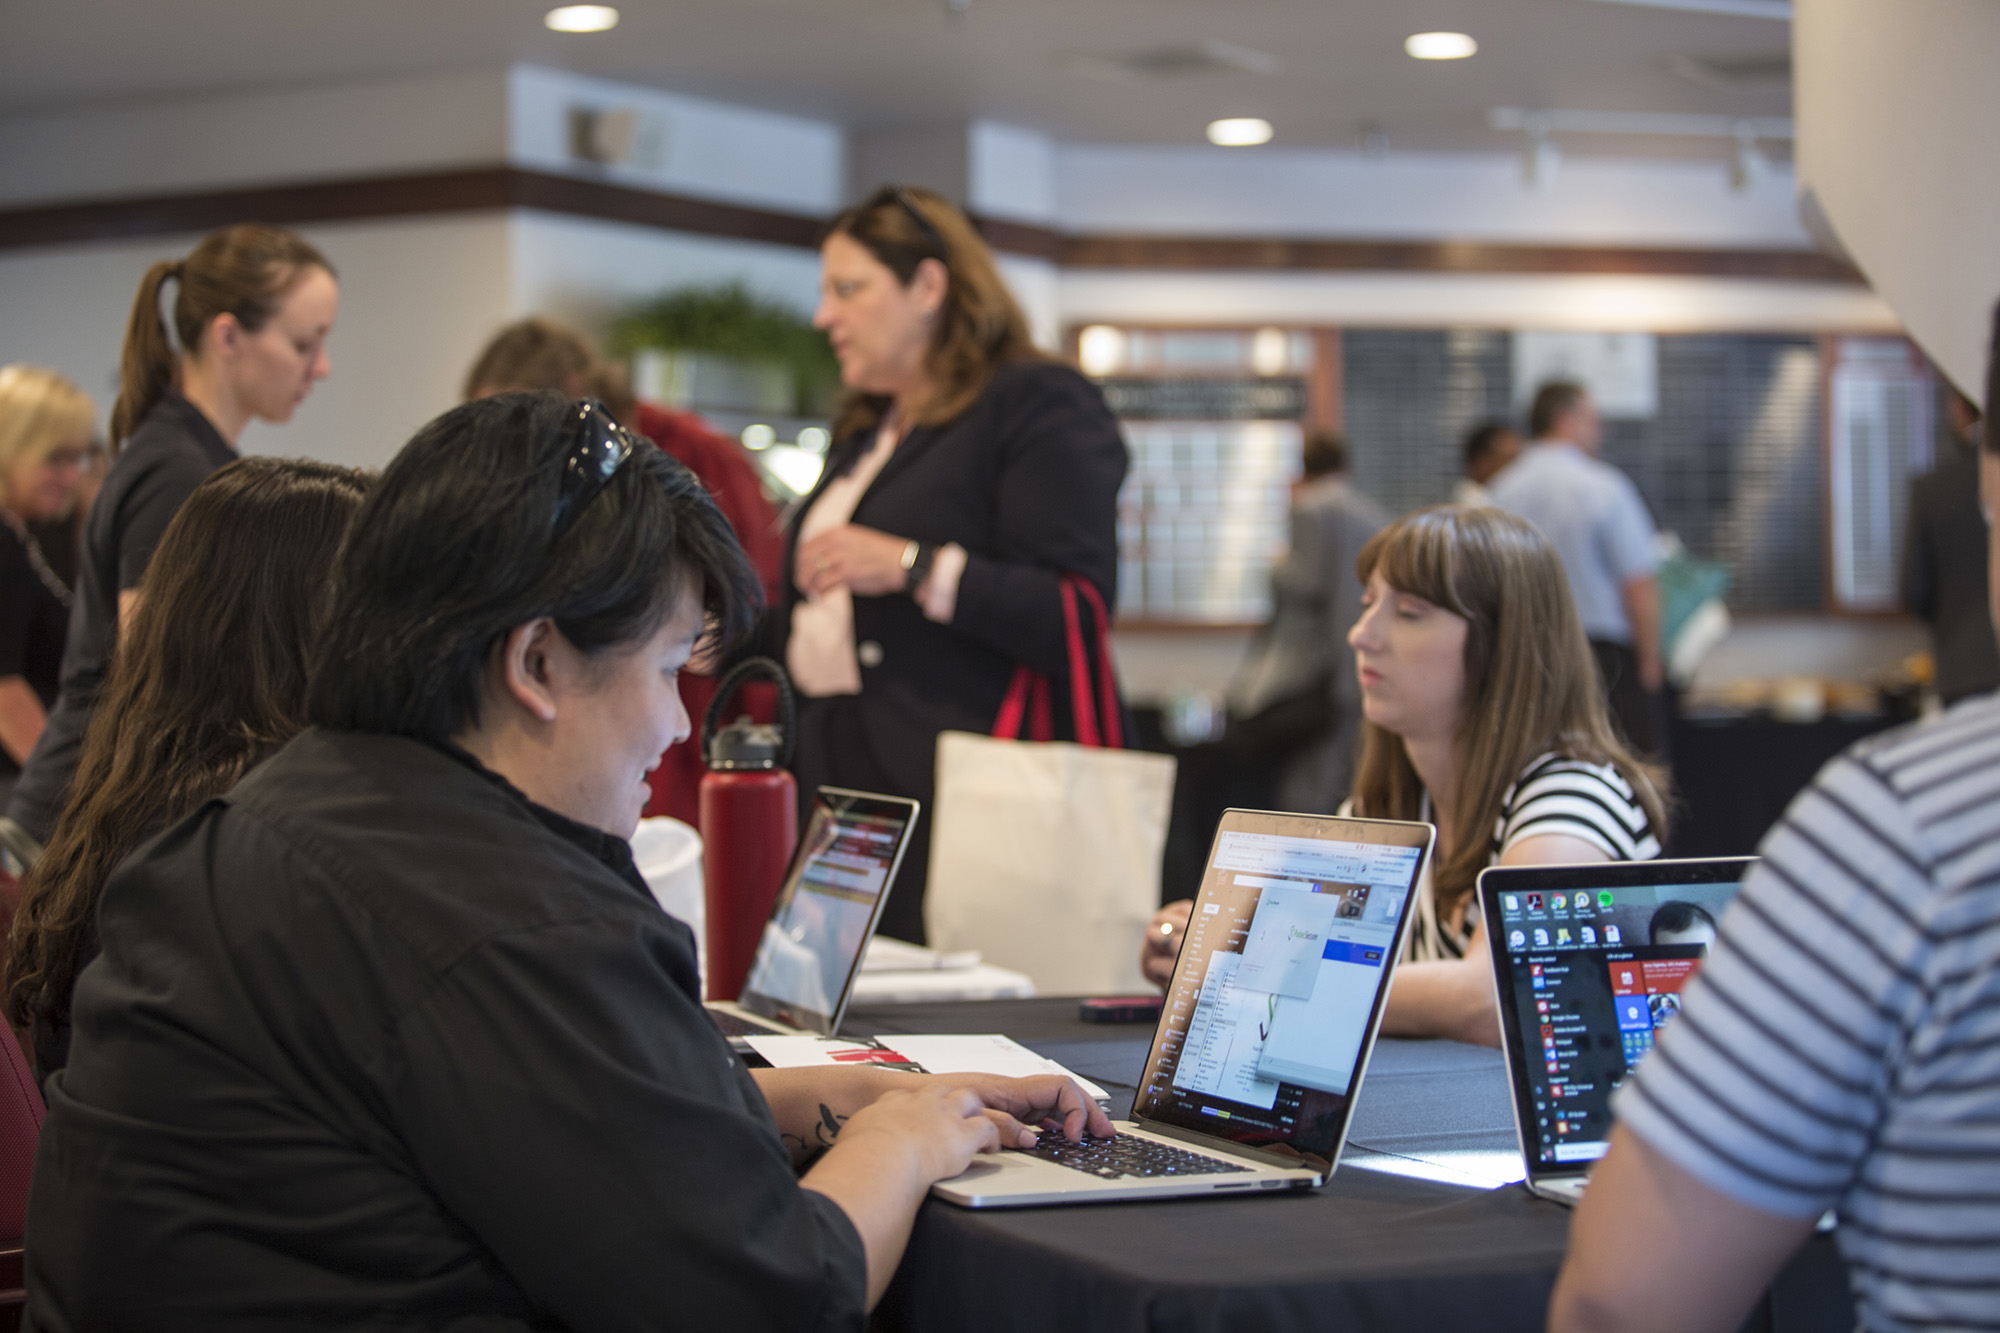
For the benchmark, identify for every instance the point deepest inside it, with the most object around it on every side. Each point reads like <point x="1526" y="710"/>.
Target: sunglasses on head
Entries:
<point x="598" y="447"/>
<point x="900" y="196"/>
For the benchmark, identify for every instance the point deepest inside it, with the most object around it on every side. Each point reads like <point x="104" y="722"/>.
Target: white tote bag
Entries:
<point x="1045" y="855"/>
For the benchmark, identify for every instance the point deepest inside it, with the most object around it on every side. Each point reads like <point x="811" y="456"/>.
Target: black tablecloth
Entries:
<point x="1735" y="777"/>
<point x="1371" y="1250"/>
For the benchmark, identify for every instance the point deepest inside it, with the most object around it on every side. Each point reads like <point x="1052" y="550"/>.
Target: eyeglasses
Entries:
<point x="931" y="233"/>
<point x="598" y="447"/>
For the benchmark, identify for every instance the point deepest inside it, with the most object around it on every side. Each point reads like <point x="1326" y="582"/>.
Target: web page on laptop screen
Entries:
<point x="820" y="924"/>
<point x="1596" y="974"/>
<point x="1277" y="982"/>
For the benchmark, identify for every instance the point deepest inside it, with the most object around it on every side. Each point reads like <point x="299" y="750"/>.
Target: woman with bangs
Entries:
<point x="1484" y="716"/>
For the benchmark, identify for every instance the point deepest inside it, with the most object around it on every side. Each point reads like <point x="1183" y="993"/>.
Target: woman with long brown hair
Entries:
<point x="210" y="678"/>
<point x="252" y="309"/>
<point x="1485" y="717"/>
<point x="969" y="473"/>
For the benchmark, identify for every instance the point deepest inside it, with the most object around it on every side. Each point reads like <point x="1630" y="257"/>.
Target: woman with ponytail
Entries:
<point x="251" y="309"/>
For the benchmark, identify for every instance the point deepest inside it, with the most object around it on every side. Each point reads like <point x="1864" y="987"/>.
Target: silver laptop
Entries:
<point x="1589" y="963"/>
<point x="827" y="908"/>
<point x="1267" y="1026"/>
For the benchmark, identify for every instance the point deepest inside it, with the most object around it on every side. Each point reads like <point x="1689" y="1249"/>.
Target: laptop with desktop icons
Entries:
<point x="827" y="908"/>
<point x="1266" y="1030"/>
<point x="1589" y="963"/>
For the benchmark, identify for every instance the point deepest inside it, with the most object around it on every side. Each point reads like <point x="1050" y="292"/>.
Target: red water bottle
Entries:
<point x="749" y="824"/>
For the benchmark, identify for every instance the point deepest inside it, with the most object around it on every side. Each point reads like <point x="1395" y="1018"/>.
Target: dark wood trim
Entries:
<point x="1323" y="386"/>
<point x="477" y="190"/>
<point x="489" y="188"/>
<point x="1021" y="238"/>
<point x="1306" y="255"/>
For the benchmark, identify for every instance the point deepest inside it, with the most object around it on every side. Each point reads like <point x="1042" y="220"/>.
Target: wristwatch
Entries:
<point x="917" y="560"/>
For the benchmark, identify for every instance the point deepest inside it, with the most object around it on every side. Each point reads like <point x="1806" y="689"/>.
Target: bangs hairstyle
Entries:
<point x="209" y="678"/>
<point x="453" y="551"/>
<point x="979" y="327"/>
<point x="1531" y="684"/>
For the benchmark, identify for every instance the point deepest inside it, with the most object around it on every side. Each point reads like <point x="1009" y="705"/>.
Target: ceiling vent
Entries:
<point x="1174" y="62"/>
<point x="1770" y="70"/>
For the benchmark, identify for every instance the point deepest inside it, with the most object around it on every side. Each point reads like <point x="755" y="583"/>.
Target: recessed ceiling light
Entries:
<point x="1239" y="132"/>
<point x="1440" y="45"/>
<point x="581" y="18"/>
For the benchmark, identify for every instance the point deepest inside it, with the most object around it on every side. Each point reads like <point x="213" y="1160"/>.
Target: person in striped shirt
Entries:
<point x="1486" y="717"/>
<point x="1840" y="1050"/>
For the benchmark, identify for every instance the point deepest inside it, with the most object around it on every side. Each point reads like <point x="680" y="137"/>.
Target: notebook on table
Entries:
<point x="1589" y="963"/>
<point x="1268" y="1023"/>
<point x="826" y="911"/>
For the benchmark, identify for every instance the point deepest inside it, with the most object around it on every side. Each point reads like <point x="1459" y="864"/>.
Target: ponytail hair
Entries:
<point x="244" y="271"/>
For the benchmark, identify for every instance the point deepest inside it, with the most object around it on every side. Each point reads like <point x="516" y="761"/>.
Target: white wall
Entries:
<point x="1585" y="302"/>
<point x="1897" y="108"/>
<point x="711" y="150"/>
<point x="267" y="137"/>
<point x="1419" y="196"/>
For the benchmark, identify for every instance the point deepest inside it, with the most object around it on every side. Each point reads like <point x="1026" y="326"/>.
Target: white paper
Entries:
<point x="1286" y="936"/>
<point x="979" y="1053"/>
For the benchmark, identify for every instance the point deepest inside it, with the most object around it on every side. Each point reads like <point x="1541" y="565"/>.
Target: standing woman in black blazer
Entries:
<point x="969" y="473"/>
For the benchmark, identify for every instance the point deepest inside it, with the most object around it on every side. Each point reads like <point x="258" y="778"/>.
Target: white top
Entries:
<point x="1592" y="514"/>
<point x="820" y="655"/>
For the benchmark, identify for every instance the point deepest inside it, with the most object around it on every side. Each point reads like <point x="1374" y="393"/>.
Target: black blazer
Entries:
<point x="1026" y="480"/>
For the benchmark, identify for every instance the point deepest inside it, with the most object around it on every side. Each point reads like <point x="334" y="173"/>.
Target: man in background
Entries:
<point x="1593" y="514"/>
<point x="1944" y="564"/>
<point x="1488" y="450"/>
<point x="1296" y="703"/>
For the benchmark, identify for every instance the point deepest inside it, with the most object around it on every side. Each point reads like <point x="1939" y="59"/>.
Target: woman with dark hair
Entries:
<point x="393" y="1034"/>
<point x="969" y="473"/>
<point x="1484" y="716"/>
<point x="239" y="579"/>
<point x="252" y="309"/>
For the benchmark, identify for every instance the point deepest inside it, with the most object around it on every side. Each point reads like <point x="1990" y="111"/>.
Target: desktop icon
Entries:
<point x="1562" y="936"/>
<point x="1589" y="935"/>
<point x="1517" y="939"/>
<point x="1510" y="902"/>
<point x="1583" y="902"/>
<point x="1534" y="902"/>
<point x="1604" y="898"/>
<point x="1541" y="942"/>
<point x="1559" y="903"/>
<point x="1612" y="935"/>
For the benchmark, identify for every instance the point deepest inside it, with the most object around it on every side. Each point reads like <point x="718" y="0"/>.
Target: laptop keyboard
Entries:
<point x="1128" y="1155"/>
<point x="735" y="1025"/>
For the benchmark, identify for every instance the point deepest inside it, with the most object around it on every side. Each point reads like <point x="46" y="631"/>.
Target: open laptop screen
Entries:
<point x="1591" y="962"/>
<point x="1281" y="978"/>
<point x="827" y="907"/>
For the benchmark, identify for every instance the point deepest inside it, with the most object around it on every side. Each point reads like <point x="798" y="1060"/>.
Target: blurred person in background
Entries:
<point x="46" y="424"/>
<point x="1484" y="717"/>
<point x="969" y="473"/>
<point x="1944" y="562"/>
<point x="1295" y="704"/>
<point x="252" y="309"/>
<point x="539" y="353"/>
<point x="1593" y="514"/>
<point x="240" y="579"/>
<point x="1488" y="450"/>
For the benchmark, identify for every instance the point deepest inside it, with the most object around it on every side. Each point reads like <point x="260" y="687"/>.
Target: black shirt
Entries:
<point x="173" y="451"/>
<point x="33" y="618"/>
<point x="1944" y="573"/>
<point x="376" y="1042"/>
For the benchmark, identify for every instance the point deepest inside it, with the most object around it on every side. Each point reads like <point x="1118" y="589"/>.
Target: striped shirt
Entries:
<point x="1554" y="794"/>
<point x="1841" y="1048"/>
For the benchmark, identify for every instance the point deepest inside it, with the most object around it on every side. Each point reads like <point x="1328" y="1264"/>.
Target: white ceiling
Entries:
<point x="1339" y="64"/>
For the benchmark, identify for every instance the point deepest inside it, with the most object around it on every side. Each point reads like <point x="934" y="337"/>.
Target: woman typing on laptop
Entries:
<point x="1485" y="717"/>
<point x="394" y="1034"/>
